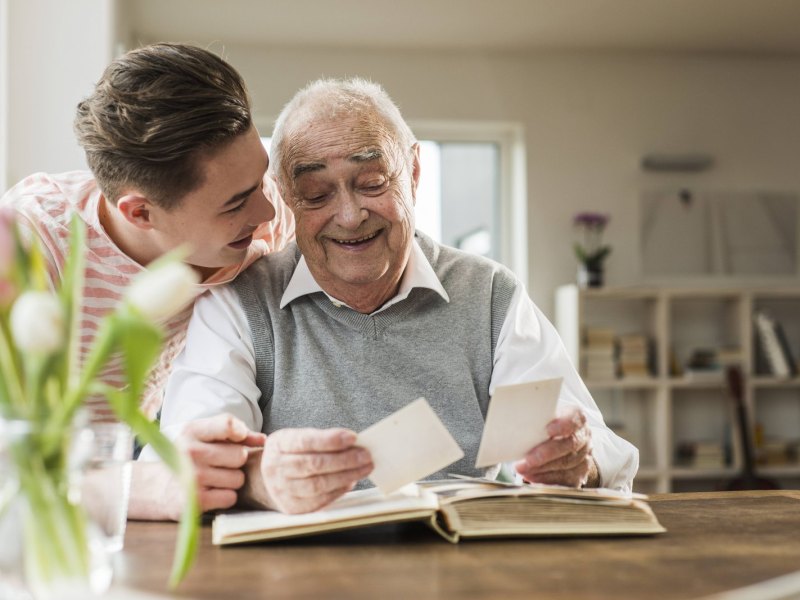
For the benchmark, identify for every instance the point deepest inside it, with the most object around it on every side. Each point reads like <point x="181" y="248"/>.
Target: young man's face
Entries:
<point x="218" y="219"/>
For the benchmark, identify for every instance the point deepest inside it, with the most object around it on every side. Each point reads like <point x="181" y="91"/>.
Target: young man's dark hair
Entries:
<point x="153" y="113"/>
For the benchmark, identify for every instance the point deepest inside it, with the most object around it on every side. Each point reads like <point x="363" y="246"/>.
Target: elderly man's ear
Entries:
<point x="415" y="172"/>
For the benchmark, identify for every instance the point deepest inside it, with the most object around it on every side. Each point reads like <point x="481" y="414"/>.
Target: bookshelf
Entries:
<point x="679" y="412"/>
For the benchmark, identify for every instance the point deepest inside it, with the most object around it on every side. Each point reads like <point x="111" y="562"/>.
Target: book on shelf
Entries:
<point x="777" y="353"/>
<point x="709" y="375"/>
<point x="634" y="355"/>
<point x="701" y="454"/>
<point x="599" y="369"/>
<point x="598" y="354"/>
<point x="599" y="336"/>
<point x="457" y="509"/>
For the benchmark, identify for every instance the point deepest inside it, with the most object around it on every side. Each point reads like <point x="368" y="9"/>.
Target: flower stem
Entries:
<point x="56" y="546"/>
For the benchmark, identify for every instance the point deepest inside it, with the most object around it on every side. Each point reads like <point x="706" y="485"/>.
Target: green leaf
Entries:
<point x="70" y="293"/>
<point x="140" y="343"/>
<point x="178" y="463"/>
<point x="188" y="530"/>
<point x="579" y="252"/>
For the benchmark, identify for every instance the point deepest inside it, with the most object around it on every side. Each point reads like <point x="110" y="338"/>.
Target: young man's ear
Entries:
<point x="136" y="210"/>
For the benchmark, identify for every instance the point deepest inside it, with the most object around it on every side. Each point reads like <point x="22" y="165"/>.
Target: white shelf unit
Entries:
<point x="659" y="413"/>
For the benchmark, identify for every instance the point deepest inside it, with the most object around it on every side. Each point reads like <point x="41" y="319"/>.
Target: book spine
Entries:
<point x="434" y="522"/>
<point x="773" y="352"/>
<point x="785" y="349"/>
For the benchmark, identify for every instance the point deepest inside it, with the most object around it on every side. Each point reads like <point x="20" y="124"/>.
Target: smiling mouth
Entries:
<point x="357" y="241"/>
<point x="242" y="243"/>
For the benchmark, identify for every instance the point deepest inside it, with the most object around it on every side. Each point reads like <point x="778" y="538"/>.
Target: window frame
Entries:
<point x="512" y="212"/>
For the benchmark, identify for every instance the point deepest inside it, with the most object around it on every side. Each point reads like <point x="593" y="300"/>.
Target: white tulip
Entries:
<point x="37" y="322"/>
<point x="161" y="292"/>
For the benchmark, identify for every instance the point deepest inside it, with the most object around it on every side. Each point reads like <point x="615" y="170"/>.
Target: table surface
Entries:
<point x="715" y="541"/>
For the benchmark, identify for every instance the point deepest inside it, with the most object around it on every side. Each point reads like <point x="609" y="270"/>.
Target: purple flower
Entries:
<point x="591" y="220"/>
<point x="591" y="251"/>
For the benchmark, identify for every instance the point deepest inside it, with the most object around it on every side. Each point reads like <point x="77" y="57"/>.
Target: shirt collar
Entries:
<point x="419" y="273"/>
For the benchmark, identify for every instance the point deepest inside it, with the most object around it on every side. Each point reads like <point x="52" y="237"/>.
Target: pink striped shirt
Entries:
<point x="47" y="203"/>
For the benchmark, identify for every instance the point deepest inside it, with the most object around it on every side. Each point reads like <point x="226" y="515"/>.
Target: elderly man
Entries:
<point x="363" y="315"/>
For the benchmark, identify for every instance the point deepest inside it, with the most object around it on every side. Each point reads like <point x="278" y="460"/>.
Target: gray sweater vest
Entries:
<point x="319" y="365"/>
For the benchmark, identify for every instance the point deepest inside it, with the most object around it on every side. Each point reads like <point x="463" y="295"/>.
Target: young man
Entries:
<point x="174" y="159"/>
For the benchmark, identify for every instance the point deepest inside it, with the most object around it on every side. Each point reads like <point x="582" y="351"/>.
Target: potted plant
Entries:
<point x="44" y="383"/>
<point x="591" y="251"/>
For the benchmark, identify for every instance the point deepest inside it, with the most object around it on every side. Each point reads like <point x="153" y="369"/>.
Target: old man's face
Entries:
<point x="352" y="192"/>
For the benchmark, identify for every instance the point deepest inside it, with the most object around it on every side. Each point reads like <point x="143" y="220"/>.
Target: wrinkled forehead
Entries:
<point x="317" y="140"/>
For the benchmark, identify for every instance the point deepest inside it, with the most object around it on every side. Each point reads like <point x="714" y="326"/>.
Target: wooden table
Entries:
<point x="715" y="542"/>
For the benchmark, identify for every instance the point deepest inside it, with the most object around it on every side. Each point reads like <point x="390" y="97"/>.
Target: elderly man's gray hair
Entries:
<point x="335" y="99"/>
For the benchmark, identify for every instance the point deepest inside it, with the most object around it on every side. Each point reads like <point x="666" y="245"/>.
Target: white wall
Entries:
<point x="3" y="91"/>
<point x="56" y="51"/>
<point x="588" y="119"/>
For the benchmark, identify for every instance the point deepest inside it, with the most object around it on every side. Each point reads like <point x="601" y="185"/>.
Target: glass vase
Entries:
<point x="51" y="548"/>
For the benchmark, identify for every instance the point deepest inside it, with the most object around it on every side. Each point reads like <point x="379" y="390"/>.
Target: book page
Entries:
<point x="353" y="506"/>
<point x="517" y="420"/>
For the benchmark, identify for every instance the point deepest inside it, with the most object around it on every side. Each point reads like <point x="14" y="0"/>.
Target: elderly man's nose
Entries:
<point x="351" y="213"/>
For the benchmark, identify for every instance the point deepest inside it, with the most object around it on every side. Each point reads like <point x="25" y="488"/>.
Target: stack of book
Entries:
<point x="701" y="454"/>
<point x="704" y="365"/>
<point x="599" y="353"/>
<point x="776" y="452"/>
<point x="634" y="356"/>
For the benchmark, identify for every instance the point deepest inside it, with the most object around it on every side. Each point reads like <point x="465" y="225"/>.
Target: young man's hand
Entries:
<point x="219" y="447"/>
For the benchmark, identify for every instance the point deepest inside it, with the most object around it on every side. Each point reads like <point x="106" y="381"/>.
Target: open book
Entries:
<point x="457" y="508"/>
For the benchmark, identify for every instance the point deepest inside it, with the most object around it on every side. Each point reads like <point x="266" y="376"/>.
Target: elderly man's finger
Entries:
<point x="567" y="423"/>
<point x="321" y="485"/>
<point x="300" y="466"/>
<point x="556" y="448"/>
<point x="575" y="477"/>
<point x="562" y="463"/>
<point x="219" y="428"/>
<point x="302" y="441"/>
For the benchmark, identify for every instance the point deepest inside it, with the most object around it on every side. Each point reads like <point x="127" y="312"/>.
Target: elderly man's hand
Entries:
<point x="305" y="469"/>
<point x="566" y="457"/>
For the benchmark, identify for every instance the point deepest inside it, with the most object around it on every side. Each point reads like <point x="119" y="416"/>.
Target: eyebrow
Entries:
<point x="241" y="195"/>
<point x="358" y="157"/>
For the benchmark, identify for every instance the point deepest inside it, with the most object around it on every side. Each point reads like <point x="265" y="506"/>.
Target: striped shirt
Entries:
<point x="46" y="204"/>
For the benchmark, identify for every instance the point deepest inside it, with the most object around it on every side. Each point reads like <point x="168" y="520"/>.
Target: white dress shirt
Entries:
<point x="216" y="372"/>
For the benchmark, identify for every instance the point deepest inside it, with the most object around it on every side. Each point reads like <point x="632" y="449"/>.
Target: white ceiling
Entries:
<point x="729" y="26"/>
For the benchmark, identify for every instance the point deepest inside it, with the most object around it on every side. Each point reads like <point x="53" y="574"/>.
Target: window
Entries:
<point x="459" y="194"/>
